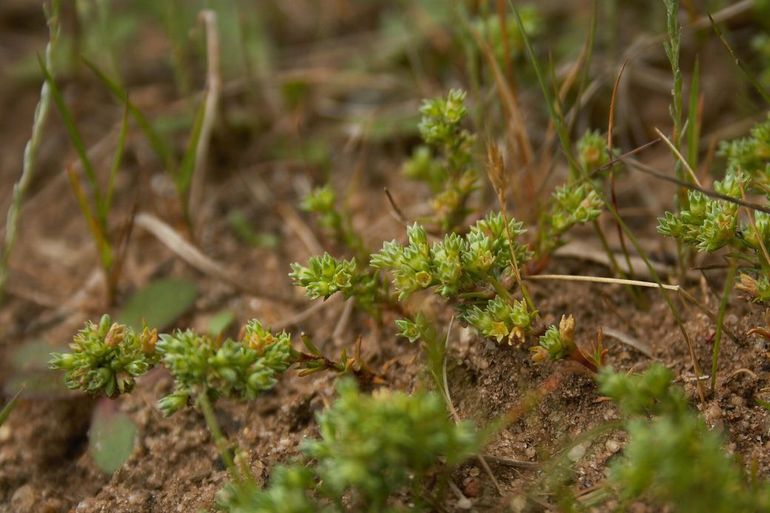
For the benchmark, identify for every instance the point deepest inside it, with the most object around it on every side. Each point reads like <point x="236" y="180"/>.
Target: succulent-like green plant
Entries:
<point x="673" y="458"/>
<point x="556" y="343"/>
<point x="371" y="448"/>
<point x="751" y="155"/>
<point x="322" y="201"/>
<point x="107" y="357"/>
<point x="460" y="268"/>
<point x="706" y="223"/>
<point x="325" y="275"/>
<point x="446" y="161"/>
<point x="577" y="201"/>
<point x="203" y="364"/>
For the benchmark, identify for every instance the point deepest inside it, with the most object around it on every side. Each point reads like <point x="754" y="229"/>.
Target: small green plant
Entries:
<point x="322" y="201"/>
<point x="107" y="358"/>
<point x="325" y="275"/>
<point x="673" y="458"/>
<point x="372" y="449"/>
<point x="577" y="201"/>
<point x="470" y="270"/>
<point x="446" y="160"/>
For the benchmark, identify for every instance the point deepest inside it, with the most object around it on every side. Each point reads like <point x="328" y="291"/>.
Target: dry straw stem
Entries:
<point x="29" y="163"/>
<point x="213" y="91"/>
<point x="678" y="155"/>
<point x="193" y="256"/>
<point x="602" y="279"/>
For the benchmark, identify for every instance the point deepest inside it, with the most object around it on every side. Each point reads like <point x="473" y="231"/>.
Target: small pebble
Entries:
<point x="5" y="433"/>
<point x="24" y="499"/>
<point x="576" y="453"/>
<point x="471" y="487"/>
<point x="612" y="445"/>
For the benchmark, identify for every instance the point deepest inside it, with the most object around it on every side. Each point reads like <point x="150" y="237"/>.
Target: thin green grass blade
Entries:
<point x="556" y="118"/>
<point x="116" y="161"/>
<point x="738" y="62"/>
<point x="6" y="411"/>
<point x="72" y="131"/>
<point x="160" y="148"/>
<point x="183" y="177"/>
<point x="693" y="123"/>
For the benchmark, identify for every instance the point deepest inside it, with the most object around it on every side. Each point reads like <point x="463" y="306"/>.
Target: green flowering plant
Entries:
<point x="471" y="270"/>
<point x="577" y="201"/>
<point x="371" y="449"/>
<point x="706" y="223"/>
<point x="233" y="369"/>
<point x="445" y="162"/>
<point x="710" y="224"/>
<point x="325" y="275"/>
<point x="751" y="155"/>
<point x="107" y="357"/>
<point x="673" y="458"/>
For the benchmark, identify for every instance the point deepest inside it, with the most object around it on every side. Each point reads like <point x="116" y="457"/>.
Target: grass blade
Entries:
<point x="160" y="148"/>
<point x="6" y="411"/>
<point x="693" y="118"/>
<point x="72" y="130"/>
<point x="116" y="161"/>
<point x="738" y="62"/>
<point x="556" y="117"/>
<point x="183" y="176"/>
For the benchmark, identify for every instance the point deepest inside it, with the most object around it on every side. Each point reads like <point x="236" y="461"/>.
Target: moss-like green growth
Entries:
<point x="371" y="449"/>
<point x="673" y="458"/>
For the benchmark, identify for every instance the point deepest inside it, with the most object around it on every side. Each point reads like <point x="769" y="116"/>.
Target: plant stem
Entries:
<point x="729" y="283"/>
<point x="216" y="433"/>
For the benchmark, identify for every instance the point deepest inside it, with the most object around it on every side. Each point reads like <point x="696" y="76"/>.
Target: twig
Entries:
<point x="304" y="233"/>
<point x="397" y="213"/>
<point x="193" y="256"/>
<point x="629" y="341"/>
<point x="213" y="90"/>
<point x="305" y="314"/>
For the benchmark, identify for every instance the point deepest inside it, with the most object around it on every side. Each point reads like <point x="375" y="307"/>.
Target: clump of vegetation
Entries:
<point x="446" y="160"/>
<point x="322" y="201"/>
<point x="578" y="200"/>
<point x="107" y="358"/>
<point x="374" y="451"/>
<point x="469" y="270"/>
<point x="673" y="458"/>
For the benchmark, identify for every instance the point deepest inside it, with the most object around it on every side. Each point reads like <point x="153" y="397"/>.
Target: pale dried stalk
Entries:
<point x="213" y="92"/>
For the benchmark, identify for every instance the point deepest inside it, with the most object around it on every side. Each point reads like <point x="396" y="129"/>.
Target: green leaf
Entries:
<point x="158" y="304"/>
<point x="29" y="370"/>
<point x="159" y="146"/>
<point x="111" y="437"/>
<point x="219" y="322"/>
